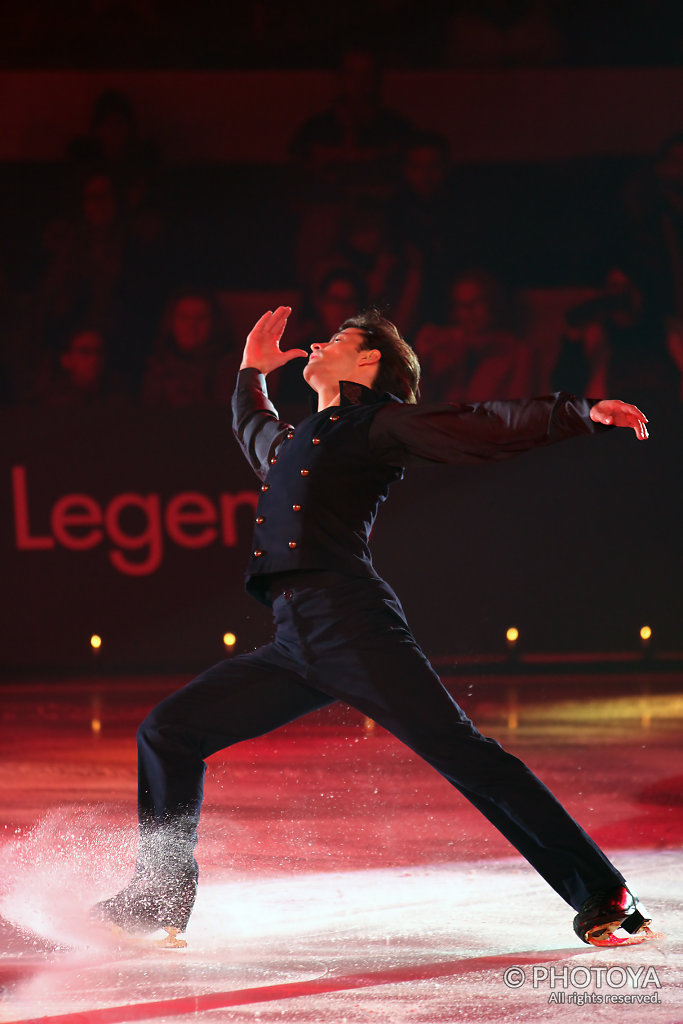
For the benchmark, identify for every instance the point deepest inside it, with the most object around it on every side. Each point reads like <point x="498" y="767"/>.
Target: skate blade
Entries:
<point x="605" y="935"/>
<point x="169" y="941"/>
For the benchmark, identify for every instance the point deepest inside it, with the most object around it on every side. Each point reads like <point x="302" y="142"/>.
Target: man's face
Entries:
<point x="336" y="359"/>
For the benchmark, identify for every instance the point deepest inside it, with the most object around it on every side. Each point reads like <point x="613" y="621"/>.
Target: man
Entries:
<point x="340" y="630"/>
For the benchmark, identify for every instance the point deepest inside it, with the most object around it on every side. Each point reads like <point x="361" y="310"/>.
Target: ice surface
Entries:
<point x="342" y="881"/>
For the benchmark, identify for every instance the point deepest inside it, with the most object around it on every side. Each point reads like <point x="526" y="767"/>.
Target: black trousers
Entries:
<point x="345" y="638"/>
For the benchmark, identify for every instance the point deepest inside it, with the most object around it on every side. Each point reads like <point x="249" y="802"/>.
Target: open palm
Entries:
<point x="262" y="350"/>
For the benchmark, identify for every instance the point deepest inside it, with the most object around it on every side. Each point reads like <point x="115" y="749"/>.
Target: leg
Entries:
<point x="371" y="660"/>
<point x="501" y="786"/>
<point x="234" y="700"/>
<point x="237" y="699"/>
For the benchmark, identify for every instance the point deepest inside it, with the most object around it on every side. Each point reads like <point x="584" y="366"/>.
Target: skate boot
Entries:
<point x="151" y="901"/>
<point x="611" y="911"/>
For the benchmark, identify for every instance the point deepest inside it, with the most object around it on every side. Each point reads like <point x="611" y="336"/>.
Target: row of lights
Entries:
<point x="511" y="635"/>
<point x="229" y="640"/>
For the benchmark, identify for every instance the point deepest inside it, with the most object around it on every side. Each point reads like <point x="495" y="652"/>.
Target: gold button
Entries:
<point x="292" y="543"/>
<point x="305" y="472"/>
<point x="334" y="418"/>
<point x="260" y="519"/>
<point x="257" y="554"/>
<point x="316" y="440"/>
<point x="265" y="487"/>
<point x="296" y="508"/>
<point x="273" y="460"/>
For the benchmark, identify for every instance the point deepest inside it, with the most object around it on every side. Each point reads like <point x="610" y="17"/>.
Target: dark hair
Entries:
<point x="399" y="367"/>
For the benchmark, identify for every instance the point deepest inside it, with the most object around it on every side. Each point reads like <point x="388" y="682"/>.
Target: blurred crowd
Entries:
<point x="118" y="303"/>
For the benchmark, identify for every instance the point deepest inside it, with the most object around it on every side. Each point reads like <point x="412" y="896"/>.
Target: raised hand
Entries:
<point x="620" y="414"/>
<point x="262" y="350"/>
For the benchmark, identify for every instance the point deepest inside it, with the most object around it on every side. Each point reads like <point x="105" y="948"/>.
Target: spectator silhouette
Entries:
<point x="86" y="256"/>
<point x="616" y="344"/>
<point x="102" y="269"/>
<point x="424" y="218"/>
<point x="114" y="145"/>
<point x="476" y="355"/>
<point x="80" y="377"/>
<point x="190" y="365"/>
<point x="355" y="143"/>
<point x="654" y="211"/>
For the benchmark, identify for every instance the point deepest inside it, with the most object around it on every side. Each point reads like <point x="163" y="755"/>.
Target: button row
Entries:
<point x="261" y="519"/>
<point x="314" y="440"/>
<point x="259" y="553"/>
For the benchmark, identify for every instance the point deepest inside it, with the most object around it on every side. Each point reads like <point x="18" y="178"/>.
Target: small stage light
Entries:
<point x="645" y="633"/>
<point x="96" y="726"/>
<point x="95" y="642"/>
<point x="512" y="635"/>
<point x="229" y="639"/>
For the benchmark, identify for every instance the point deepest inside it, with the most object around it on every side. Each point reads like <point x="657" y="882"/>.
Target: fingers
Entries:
<point x="274" y="318"/>
<point x="637" y="421"/>
<point x="635" y="411"/>
<point x="270" y="327"/>
<point x="278" y="319"/>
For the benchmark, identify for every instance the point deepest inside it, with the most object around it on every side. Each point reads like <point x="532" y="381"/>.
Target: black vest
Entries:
<point x="321" y="495"/>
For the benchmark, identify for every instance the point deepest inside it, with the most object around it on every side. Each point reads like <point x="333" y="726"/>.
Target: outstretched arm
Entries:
<point x="491" y="431"/>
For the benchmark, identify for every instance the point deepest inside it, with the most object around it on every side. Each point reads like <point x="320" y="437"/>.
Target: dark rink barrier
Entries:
<point x="136" y="528"/>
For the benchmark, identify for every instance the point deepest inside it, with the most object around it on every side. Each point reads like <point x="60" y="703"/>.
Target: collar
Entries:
<point x="352" y="393"/>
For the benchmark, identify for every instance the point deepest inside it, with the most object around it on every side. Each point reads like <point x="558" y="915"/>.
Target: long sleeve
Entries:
<point x="480" y="432"/>
<point x="255" y="421"/>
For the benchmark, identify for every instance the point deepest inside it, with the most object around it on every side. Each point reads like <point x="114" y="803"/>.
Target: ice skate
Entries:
<point x="148" y="904"/>
<point x="603" y="916"/>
